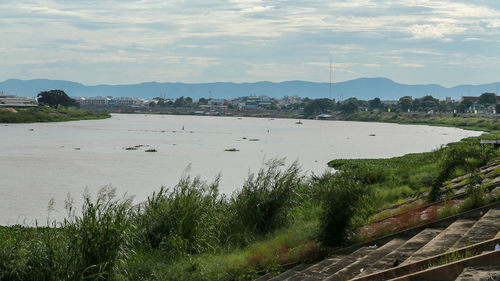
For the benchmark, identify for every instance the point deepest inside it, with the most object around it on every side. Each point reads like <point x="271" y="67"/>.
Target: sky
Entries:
<point x="123" y="42"/>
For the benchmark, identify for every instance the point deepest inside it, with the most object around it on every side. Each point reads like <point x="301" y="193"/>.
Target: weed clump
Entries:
<point x="342" y="200"/>
<point x="265" y="201"/>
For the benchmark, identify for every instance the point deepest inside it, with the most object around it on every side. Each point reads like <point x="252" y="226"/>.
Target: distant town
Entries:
<point x="287" y="106"/>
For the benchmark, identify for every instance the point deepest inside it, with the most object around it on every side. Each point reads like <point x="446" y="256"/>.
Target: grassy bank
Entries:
<point x="191" y="232"/>
<point x="477" y="123"/>
<point x="47" y="114"/>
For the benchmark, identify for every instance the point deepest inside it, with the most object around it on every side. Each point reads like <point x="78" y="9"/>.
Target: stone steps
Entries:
<point x="326" y="271"/>
<point x="485" y="228"/>
<point x="265" y="277"/>
<point x="402" y="253"/>
<point x="442" y="242"/>
<point x="452" y="271"/>
<point x="289" y="273"/>
<point x="359" y="265"/>
<point x="475" y="273"/>
<point x="314" y="271"/>
<point x="445" y="266"/>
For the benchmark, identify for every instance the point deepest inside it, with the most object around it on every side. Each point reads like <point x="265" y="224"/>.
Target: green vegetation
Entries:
<point x="410" y="175"/>
<point x="231" y="149"/>
<point x="150" y="150"/>
<point x="48" y="114"/>
<point x="56" y="98"/>
<point x="471" y="123"/>
<point x="343" y="199"/>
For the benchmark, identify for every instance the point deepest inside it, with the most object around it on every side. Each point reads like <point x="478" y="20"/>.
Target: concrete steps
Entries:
<point x="442" y="242"/>
<point x="314" y="271"/>
<point x="445" y="266"/>
<point x="481" y="273"/>
<point x="358" y="266"/>
<point x="453" y="270"/>
<point x="322" y="272"/>
<point x="485" y="228"/>
<point x="400" y="254"/>
<point x="289" y="273"/>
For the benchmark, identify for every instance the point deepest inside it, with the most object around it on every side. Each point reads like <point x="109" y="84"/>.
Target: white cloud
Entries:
<point x="269" y="35"/>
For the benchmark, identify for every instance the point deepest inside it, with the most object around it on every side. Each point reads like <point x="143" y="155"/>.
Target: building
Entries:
<point x="216" y="101"/>
<point x="13" y="101"/>
<point x="94" y="101"/>
<point x="110" y="101"/>
<point x="475" y="99"/>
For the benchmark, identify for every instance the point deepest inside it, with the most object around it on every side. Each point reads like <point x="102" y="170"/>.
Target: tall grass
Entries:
<point x="343" y="200"/>
<point x="184" y="220"/>
<point x="466" y="155"/>
<point x="98" y="238"/>
<point x="265" y="201"/>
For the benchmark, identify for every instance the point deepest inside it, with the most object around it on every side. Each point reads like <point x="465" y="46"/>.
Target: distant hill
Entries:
<point x="363" y="88"/>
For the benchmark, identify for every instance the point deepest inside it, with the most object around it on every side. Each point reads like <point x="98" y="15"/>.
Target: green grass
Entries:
<point x="409" y="175"/>
<point x="478" y="123"/>
<point x="48" y="114"/>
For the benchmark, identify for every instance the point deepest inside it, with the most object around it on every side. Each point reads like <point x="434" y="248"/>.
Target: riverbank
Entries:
<point x="47" y="114"/>
<point x="193" y="233"/>
<point x="486" y="123"/>
<point x="480" y="122"/>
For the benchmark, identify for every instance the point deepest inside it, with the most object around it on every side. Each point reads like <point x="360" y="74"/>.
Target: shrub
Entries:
<point x="466" y="155"/>
<point x="33" y="254"/>
<point x="265" y="201"/>
<point x="342" y="201"/>
<point x="183" y="220"/>
<point x="98" y="238"/>
<point x="476" y="195"/>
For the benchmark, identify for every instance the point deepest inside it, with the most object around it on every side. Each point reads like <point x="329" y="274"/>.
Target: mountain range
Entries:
<point x="362" y="88"/>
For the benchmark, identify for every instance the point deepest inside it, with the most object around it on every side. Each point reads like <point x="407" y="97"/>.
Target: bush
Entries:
<point x="182" y="221"/>
<point x="98" y="238"/>
<point x="33" y="254"/>
<point x="265" y="201"/>
<point x="467" y="155"/>
<point x="343" y="199"/>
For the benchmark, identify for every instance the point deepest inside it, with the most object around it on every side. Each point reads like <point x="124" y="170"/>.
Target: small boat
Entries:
<point x="300" y="122"/>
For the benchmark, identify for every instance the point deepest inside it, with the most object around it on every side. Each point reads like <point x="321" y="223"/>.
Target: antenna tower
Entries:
<point x="330" y="90"/>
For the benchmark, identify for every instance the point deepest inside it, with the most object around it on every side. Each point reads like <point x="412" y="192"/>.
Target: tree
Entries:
<point x="54" y="98"/>
<point x="374" y="104"/>
<point x="349" y="106"/>
<point x="487" y="99"/>
<point x="180" y="102"/>
<point x="318" y="106"/>
<point x="405" y="103"/>
<point x="202" y="101"/>
<point x="426" y="103"/>
<point x="464" y="105"/>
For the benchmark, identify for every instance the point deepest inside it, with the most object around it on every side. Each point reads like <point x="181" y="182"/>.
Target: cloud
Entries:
<point x="263" y="37"/>
<point x="438" y="31"/>
<point x="410" y="65"/>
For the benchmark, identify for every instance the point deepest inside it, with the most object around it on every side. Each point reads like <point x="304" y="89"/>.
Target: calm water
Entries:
<point x="49" y="160"/>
